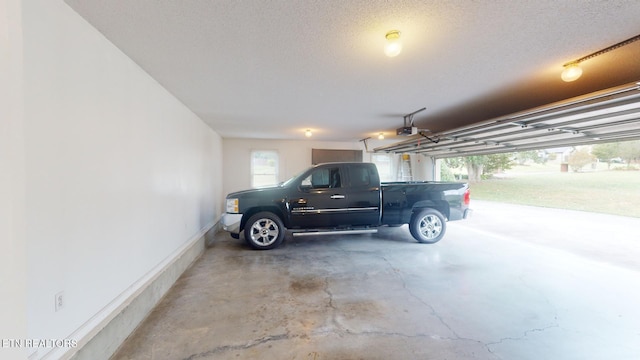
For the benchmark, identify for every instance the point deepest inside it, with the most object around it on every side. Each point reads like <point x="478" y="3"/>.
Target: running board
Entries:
<point x="334" y="232"/>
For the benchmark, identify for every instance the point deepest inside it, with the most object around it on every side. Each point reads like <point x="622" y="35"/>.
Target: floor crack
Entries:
<point x="334" y="310"/>
<point x="225" y="348"/>
<point x="457" y="337"/>
<point x="524" y="335"/>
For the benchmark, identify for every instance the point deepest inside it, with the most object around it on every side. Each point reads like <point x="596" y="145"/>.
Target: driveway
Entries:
<point x="602" y="238"/>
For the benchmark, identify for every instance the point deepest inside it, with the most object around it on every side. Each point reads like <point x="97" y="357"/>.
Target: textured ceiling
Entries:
<point x="271" y="69"/>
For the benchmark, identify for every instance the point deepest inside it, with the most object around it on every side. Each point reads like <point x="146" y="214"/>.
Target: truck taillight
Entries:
<point x="467" y="197"/>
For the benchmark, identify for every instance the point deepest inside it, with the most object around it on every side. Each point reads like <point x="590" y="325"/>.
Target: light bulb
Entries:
<point x="381" y="136"/>
<point x="393" y="46"/>
<point x="308" y="133"/>
<point x="571" y="72"/>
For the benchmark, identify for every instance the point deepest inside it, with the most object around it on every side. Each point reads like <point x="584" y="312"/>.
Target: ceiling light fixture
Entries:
<point x="572" y="70"/>
<point x="381" y="136"/>
<point x="308" y="133"/>
<point x="393" y="46"/>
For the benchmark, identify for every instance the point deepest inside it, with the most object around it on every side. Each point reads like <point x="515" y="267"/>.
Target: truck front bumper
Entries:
<point x="231" y="222"/>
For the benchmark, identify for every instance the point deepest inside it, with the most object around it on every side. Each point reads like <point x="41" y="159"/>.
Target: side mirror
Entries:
<point x="304" y="187"/>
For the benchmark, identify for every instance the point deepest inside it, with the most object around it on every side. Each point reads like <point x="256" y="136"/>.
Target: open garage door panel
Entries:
<point x="606" y="116"/>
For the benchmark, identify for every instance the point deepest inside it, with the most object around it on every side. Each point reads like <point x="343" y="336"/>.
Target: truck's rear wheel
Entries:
<point x="428" y="226"/>
<point x="264" y="231"/>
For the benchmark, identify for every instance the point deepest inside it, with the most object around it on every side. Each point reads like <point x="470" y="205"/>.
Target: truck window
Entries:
<point x="323" y="178"/>
<point x="360" y="176"/>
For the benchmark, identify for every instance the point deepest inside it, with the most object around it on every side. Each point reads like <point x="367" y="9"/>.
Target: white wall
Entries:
<point x="119" y="174"/>
<point x="424" y="169"/>
<point x="294" y="156"/>
<point x="13" y="293"/>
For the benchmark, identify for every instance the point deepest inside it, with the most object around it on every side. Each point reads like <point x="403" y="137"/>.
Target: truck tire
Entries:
<point x="264" y="231"/>
<point x="427" y="226"/>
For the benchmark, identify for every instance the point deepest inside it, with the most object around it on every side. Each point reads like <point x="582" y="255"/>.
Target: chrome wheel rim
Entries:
<point x="430" y="227"/>
<point x="264" y="232"/>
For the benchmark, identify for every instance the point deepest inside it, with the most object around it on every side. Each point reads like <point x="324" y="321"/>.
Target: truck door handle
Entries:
<point x="337" y="196"/>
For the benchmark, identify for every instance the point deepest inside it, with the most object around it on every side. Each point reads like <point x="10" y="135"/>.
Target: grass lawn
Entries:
<point x="604" y="191"/>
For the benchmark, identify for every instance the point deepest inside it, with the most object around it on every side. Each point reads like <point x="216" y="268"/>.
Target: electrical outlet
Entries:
<point x="60" y="301"/>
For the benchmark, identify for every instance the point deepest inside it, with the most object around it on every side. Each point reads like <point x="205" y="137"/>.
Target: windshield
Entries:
<point x="288" y="182"/>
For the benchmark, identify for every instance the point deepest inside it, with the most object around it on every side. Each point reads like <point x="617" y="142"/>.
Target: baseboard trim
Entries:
<point x="102" y="335"/>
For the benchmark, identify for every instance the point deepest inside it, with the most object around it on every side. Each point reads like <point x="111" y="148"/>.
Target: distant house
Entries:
<point x="558" y="155"/>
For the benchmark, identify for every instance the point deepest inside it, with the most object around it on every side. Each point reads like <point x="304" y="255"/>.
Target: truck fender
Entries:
<point x="440" y="205"/>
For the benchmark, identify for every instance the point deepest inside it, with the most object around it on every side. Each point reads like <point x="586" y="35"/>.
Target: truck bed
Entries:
<point x="400" y="198"/>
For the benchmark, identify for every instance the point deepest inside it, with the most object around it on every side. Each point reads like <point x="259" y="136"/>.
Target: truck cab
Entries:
<point x="335" y="195"/>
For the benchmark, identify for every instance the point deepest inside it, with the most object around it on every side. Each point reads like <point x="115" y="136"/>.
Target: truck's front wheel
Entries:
<point x="428" y="226"/>
<point x="264" y="231"/>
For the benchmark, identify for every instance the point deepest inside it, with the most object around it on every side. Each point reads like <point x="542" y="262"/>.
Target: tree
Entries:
<point x="606" y="152"/>
<point x="453" y="163"/>
<point x="445" y="172"/>
<point x="522" y="157"/>
<point x="479" y="165"/>
<point x="580" y="157"/>
<point x="498" y="162"/>
<point x="630" y="151"/>
<point x="475" y="166"/>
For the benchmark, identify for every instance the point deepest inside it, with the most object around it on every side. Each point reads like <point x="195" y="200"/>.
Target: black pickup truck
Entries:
<point x="343" y="198"/>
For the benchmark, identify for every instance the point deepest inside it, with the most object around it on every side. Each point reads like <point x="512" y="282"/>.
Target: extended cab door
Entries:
<point x="325" y="198"/>
<point x="365" y="197"/>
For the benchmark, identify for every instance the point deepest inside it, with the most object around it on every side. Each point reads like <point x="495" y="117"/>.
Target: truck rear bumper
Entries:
<point x="231" y="222"/>
<point x="467" y="213"/>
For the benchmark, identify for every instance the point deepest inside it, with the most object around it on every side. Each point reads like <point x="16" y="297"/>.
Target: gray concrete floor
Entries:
<point x="511" y="283"/>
